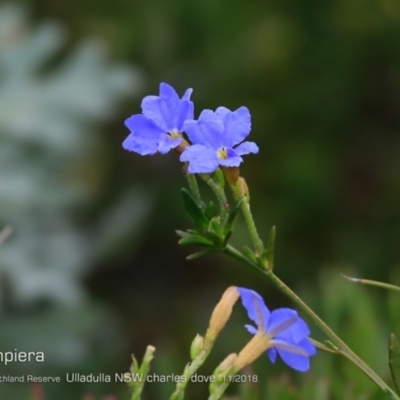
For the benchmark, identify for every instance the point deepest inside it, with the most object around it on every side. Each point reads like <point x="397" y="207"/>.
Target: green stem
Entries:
<point x="342" y="347"/>
<point x="194" y="188"/>
<point x="234" y="253"/>
<point x="241" y="193"/>
<point x="142" y="371"/>
<point x="219" y="194"/>
<point x="219" y="390"/>
<point x="257" y="242"/>
<point x="190" y="369"/>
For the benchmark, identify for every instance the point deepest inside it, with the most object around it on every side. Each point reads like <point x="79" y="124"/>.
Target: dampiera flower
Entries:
<point x="159" y="127"/>
<point x="281" y="332"/>
<point x="214" y="137"/>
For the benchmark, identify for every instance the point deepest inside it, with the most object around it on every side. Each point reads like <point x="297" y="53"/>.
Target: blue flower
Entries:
<point x="286" y="332"/>
<point x="159" y="127"/>
<point x="213" y="137"/>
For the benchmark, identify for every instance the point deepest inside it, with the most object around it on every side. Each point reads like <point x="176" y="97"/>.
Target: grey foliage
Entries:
<point x="50" y="108"/>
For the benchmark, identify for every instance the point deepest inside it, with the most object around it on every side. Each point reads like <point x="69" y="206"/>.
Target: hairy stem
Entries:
<point x="190" y="369"/>
<point x="194" y="188"/>
<point x="241" y="193"/>
<point x="219" y="194"/>
<point x="257" y="242"/>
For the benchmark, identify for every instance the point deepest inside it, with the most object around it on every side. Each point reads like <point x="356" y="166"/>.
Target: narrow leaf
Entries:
<point x="394" y="360"/>
<point x="194" y="210"/>
<point x="250" y="254"/>
<point x="215" y="226"/>
<point x="199" y="254"/>
<point x="211" y="210"/>
<point x="232" y="217"/>
<point x="195" y="240"/>
<point x="182" y="234"/>
<point x="383" y="285"/>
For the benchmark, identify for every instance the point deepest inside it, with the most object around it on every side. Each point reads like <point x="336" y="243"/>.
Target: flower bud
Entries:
<point x="232" y="174"/>
<point x="196" y="347"/>
<point x="226" y="364"/>
<point x="244" y="190"/>
<point x="221" y="313"/>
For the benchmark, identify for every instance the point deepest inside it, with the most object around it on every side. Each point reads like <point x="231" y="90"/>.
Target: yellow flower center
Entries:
<point x="222" y="153"/>
<point x="174" y="134"/>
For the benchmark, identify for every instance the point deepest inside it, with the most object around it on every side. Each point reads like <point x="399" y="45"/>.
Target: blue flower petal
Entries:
<point x="237" y="124"/>
<point x="233" y="159"/>
<point x="272" y="354"/>
<point x="167" y="110"/>
<point x="281" y="321"/>
<point x="292" y="355"/>
<point x="308" y="347"/>
<point x="185" y="111"/>
<point x="222" y="112"/>
<point x="295" y="361"/>
<point x="167" y="143"/>
<point x="202" y="159"/>
<point x="296" y="332"/>
<point x="142" y="148"/>
<point x="144" y="137"/>
<point x="187" y="94"/>
<point x="169" y="93"/>
<point x="157" y="110"/>
<point x="207" y="130"/>
<point x="170" y="97"/>
<point x="255" y="307"/>
<point x="251" y="329"/>
<point x="246" y="148"/>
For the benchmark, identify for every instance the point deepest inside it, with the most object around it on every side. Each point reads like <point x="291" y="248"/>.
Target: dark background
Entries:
<point x="321" y="80"/>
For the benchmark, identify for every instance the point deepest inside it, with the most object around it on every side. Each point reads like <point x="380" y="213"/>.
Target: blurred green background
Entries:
<point x="93" y="272"/>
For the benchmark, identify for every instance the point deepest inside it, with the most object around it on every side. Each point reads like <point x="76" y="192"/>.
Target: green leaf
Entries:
<point x="215" y="226"/>
<point x="194" y="210"/>
<point x="211" y="210"/>
<point x="394" y="360"/>
<point x="199" y="254"/>
<point x="232" y="217"/>
<point x="195" y="240"/>
<point x="250" y="254"/>
<point x="193" y="232"/>
<point x="182" y="234"/>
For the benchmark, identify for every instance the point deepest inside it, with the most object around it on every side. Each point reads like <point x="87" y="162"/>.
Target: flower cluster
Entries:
<point x="209" y="141"/>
